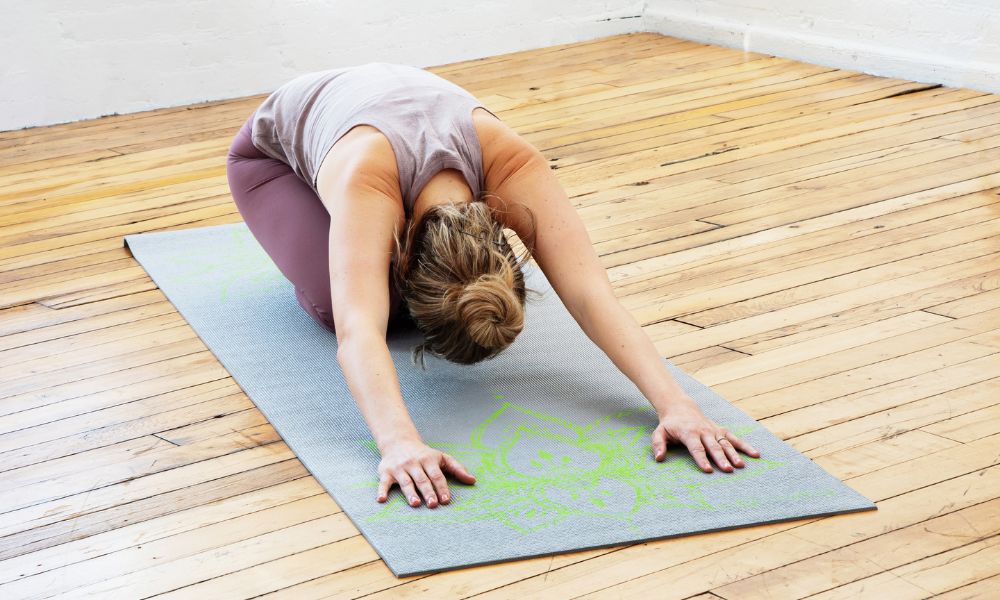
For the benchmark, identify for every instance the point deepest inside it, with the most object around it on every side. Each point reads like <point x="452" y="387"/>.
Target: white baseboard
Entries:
<point x="842" y="54"/>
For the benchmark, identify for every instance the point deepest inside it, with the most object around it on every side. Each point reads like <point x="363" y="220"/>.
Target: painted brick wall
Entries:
<point x="953" y="42"/>
<point x="66" y="60"/>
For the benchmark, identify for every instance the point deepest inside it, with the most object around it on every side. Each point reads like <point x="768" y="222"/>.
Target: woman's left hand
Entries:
<point x="685" y="423"/>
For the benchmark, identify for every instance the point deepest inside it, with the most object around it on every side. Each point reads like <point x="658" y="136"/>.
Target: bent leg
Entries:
<point x="287" y="219"/>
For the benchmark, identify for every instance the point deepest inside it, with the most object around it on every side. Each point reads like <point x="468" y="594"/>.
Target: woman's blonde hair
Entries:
<point x="461" y="281"/>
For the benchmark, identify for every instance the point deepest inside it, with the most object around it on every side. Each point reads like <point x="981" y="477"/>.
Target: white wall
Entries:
<point x="66" y="60"/>
<point x="952" y="42"/>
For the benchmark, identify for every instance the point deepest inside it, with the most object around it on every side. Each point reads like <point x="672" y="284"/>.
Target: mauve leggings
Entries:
<point x="290" y="222"/>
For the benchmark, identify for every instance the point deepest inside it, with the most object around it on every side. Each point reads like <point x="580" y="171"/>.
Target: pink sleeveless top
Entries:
<point x="426" y="118"/>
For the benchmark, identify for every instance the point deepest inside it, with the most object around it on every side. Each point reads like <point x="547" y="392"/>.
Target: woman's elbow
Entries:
<point x="357" y="334"/>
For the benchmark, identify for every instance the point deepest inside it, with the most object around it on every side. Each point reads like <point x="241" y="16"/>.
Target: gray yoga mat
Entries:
<point x="557" y="437"/>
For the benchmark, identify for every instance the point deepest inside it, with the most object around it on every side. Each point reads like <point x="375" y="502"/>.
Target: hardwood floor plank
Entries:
<point x="100" y="545"/>
<point x="253" y="550"/>
<point x="772" y="135"/>
<point x="756" y="289"/>
<point x="72" y="350"/>
<point x="47" y="164"/>
<point x="168" y="343"/>
<point x="791" y="355"/>
<point x="100" y="572"/>
<point x="112" y="236"/>
<point x="903" y="347"/>
<point x="932" y="575"/>
<point x="734" y="334"/>
<point x="99" y="428"/>
<point x="815" y="97"/>
<point x="891" y="554"/>
<point x="882" y="396"/>
<point x="828" y="231"/>
<point x="868" y="313"/>
<point x="914" y="407"/>
<point x="970" y="426"/>
<point x="161" y="482"/>
<point x="77" y="397"/>
<point x="986" y="300"/>
<point x="120" y="463"/>
<point x="984" y="589"/>
<point x="38" y="332"/>
<point x="767" y="228"/>
<point x="130" y="511"/>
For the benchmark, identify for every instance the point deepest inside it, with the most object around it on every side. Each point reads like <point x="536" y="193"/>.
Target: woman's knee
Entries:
<point x="321" y="314"/>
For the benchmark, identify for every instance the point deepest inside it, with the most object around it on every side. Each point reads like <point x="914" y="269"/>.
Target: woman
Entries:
<point x="367" y="186"/>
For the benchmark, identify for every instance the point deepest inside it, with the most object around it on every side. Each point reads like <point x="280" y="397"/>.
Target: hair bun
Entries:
<point x="490" y="311"/>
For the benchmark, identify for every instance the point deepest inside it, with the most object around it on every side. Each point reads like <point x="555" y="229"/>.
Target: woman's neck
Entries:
<point x="446" y="186"/>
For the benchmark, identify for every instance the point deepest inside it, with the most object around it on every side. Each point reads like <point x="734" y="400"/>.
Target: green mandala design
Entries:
<point x="237" y="263"/>
<point x="575" y="470"/>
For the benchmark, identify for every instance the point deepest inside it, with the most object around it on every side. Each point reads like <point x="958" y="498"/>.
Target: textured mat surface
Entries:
<point x="557" y="437"/>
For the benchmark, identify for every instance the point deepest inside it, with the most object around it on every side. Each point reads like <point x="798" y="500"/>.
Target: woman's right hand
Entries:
<point x="408" y="462"/>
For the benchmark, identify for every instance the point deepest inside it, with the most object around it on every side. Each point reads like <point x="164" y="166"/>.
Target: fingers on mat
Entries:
<point x="697" y="450"/>
<point x="458" y="469"/>
<point x="438" y="480"/>
<point x="383" y="488"/>
<point x="743" y="446"/>
<point x="716" y="452"/>
<point x="731" y="453"/>
<point x="405" y="484"/>
<point x="659" y="443"/>
<point x="423" y="484"/>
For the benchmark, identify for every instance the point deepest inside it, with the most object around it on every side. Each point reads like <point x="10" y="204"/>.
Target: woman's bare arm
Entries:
<point x="564" y="252"/>
<point x="362" y="215"/>
<point x="364" y="207"/>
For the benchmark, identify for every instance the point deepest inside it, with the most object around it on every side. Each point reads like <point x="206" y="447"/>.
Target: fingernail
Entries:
<point x="445" y="497"/>
<point x="414" y="500"/>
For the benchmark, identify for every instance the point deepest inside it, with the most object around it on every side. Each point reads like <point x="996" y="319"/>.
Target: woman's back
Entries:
<point x="426" y="118"/>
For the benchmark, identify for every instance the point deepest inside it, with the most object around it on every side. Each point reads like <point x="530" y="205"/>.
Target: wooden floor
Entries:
<point x="820" y="246"/>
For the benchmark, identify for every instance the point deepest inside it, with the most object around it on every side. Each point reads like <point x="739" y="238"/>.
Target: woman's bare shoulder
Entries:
<point x="490" y="129"/>
<point x="503" y="149"/>
<point x="363" y="153"/>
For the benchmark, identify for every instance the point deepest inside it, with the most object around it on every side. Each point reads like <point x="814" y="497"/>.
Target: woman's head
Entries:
<point x="461" y="281"/>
